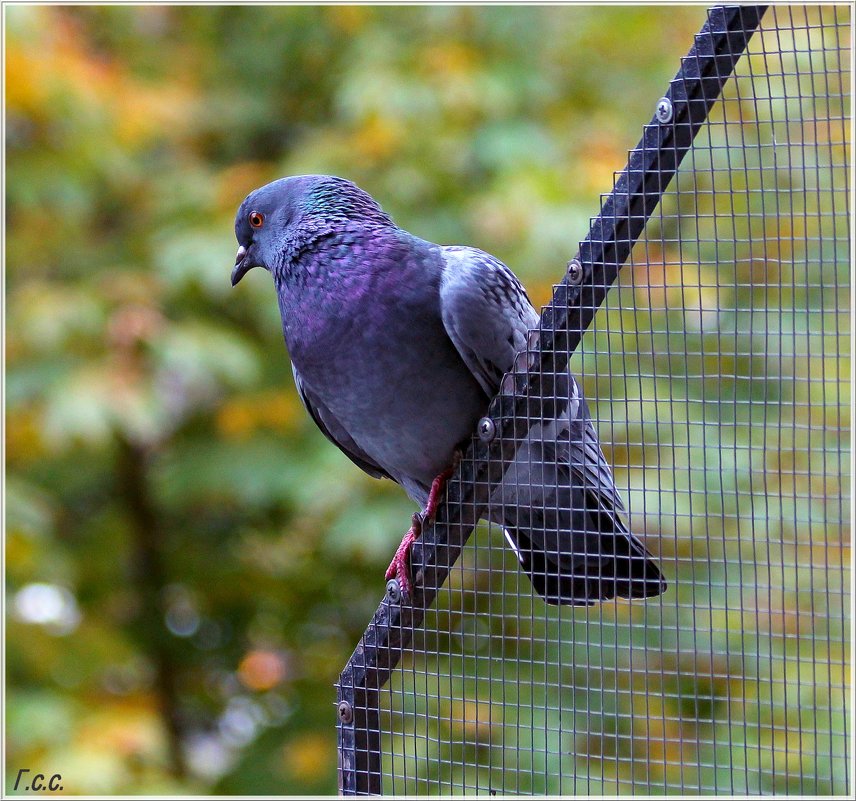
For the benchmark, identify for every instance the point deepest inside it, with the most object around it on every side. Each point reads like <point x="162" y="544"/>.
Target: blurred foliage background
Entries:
<point x="189" y="562"/>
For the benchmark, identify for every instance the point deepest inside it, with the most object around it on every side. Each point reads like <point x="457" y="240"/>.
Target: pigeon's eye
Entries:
<point x="256" y="219"/>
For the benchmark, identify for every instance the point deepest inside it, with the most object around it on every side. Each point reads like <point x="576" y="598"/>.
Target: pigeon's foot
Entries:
<point x="399" y="567"/>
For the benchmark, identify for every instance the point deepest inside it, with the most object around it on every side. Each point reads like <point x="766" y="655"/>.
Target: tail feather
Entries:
<point x="601" y="567"/>
<point x="563" y="516"/>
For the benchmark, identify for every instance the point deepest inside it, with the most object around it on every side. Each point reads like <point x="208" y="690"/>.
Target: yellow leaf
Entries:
<point x="303" y="756"/>
<point x="378" y="138"/>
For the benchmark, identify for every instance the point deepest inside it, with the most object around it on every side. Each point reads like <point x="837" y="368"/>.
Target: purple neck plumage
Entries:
<point x="334" y="212"/>
<point x="325" y="289"/>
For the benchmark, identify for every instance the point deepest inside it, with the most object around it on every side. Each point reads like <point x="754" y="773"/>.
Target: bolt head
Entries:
<point x="486" y="429"/>
<point x="575" y="272"/>
<point x="393" y="590"/>
<point x="664" y="110"/>
<point x="346" y="712"/>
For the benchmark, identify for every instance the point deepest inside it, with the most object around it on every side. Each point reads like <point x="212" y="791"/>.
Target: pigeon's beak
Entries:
<point x="242" y="265"/>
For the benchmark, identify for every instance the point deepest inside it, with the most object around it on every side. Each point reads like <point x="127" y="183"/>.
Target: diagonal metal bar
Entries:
<point x="526" y="395"/>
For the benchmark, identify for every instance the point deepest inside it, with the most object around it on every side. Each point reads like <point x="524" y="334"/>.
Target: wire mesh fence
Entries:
<point x="717" y="374"/>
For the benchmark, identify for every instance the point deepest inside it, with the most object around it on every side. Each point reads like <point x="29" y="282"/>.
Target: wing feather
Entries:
<point x="486" y="313"/>
<point x="334" y="431"/>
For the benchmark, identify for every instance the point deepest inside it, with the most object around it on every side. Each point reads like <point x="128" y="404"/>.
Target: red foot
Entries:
<point x="399" y="567"/>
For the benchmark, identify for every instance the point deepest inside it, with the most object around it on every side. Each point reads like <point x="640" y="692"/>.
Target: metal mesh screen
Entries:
<point x="717" y="373"/>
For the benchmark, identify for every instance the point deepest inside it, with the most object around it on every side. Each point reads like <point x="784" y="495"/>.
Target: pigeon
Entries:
<point x="397" y="345"/>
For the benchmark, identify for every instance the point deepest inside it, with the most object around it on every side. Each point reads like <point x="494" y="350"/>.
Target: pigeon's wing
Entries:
<point x="334" y="431"/>
<point x="580" y="446"/>
<point x="486" y="313"/>
<point x="557" y="502"/>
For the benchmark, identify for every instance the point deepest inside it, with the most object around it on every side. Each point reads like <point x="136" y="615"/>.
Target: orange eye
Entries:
<point x="256" y="219"/>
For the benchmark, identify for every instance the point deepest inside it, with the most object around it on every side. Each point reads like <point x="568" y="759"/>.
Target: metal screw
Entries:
<point x="486" y="429"/>
<point x="393" y="591"/>
<point x="346" y="712"/>
<point x="664" y="110"/>
<point x="575" y="272"/>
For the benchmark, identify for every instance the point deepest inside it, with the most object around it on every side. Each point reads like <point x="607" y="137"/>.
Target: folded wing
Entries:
<point x="557" y="501"/>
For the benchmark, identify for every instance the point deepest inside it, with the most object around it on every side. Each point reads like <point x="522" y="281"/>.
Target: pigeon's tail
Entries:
<point x="563" y="516"/>
<point x="592" y="567"/>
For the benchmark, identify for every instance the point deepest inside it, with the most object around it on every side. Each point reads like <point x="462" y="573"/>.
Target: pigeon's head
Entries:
<point x="282" y="214"/>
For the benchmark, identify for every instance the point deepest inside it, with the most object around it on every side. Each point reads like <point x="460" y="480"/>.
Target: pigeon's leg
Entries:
<point x="399" y="567"/>
<point x="437" y="487"/>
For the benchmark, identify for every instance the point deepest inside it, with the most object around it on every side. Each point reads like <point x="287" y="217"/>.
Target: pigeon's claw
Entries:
<point x="399" y="567"/>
